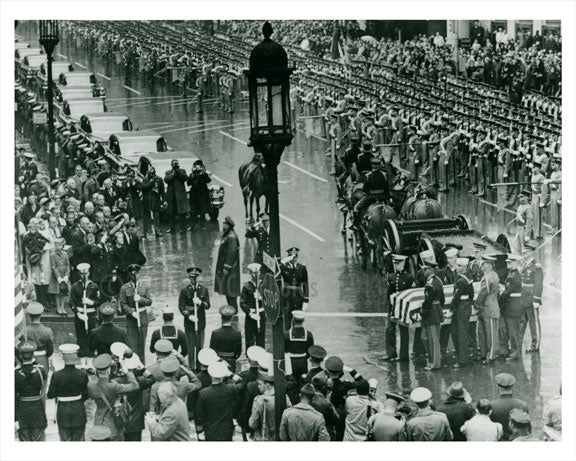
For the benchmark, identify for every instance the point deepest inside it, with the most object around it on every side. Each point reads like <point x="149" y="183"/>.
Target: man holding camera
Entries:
<point x="178" y="205"/>
<point x="198" y="195"/>
<point x="153" y="200"/>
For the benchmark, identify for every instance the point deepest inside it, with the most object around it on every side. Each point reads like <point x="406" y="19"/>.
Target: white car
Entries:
<point x="99" y="126"/>
<point x="72" y="109"/>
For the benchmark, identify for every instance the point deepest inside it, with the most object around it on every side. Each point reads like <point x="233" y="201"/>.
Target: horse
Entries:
<point x="421" y="203"/>
<point x="371" y="234"/>
<point x="252" y="182"/>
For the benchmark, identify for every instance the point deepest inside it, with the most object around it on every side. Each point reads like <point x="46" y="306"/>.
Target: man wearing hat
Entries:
<point x="448" y="276"/>
<point x="69" y="386"/>
<point x="538" y="201"/>
<point x="384" y="426"/>
<point x="134" y="299"/>
<point x="40" y="335"/>
<point x="193" y="301"/>
<point x="414" y="151"/>
<point x="227" y="277"/>
<point x="322" y="405"/>
<point x="226" y="340"/>
<point x="457" y="409"/>
<point x="484" y="147"/>
<point x="363" y="164"/>
<point x="502" y="406"/>
<point x="153" y="199"/>
<point x="296" y="287"/>
<point x="262" y="235"/>
<point x="524" y="221"/>
<point x="302" y="423"/>
<point x="251" y="305"/>
<point x="178" y="203"/>
<point x="335" y="137"/>
<point x="297" y="341"/>
<point x="554" y="186"/>
<point x="399" y="280"/>
<point x="107" y="333"/>
<point x="105" y="392"/>
<point x="170" y="332"/>
<point x="29" y="408"/>
<point x="316" y="355"/>
<point x="488" y="311"/>
<point x="432" y="315"/>
<point x="198" y="194"/>
<point x="521" y="427"/>
<point x="376" y="189"/>
<point x="532" y="285"/>
<point x="461" y="308"/>
<point x="84" y="300"/>
<point x="427" y="425"/>
<point x="28" y="170"/>
<point x="513" y="311"/>
<point x="163" y="349"/>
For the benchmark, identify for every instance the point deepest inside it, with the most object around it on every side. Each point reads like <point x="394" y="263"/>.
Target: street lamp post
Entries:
<point x="49" y="38"/>
<point x="270" y="132"/>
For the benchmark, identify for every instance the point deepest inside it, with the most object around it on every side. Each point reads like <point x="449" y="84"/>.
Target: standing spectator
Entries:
<point x="59" y="284"/>
<point x="457" y="409"/>
<point x="438" y="40"/>
<point x="178" y="204"/>
<point x="172" y="422"/>
<point x="427" y="425"/>
<point x="198" y="194"/>
<point x="262" y="420"/>
<point x="481" y="428"/>
<point x="30" y="209"/>
<point x="322" y="405"/>
<point x="385" y="426"/>
<point x="358" y="411"/>
<point x="38" y="256"/>
<point x="505" y="402"/>
<point x="227" y="278"/>
<point x="153" y="199"/>
<point x="302" y="423"/>
<point x="135" y="201"/>
<point x="521" y="427"/>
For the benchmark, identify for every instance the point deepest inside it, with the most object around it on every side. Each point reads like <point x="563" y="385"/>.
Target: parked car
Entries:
<point x="72" y="109"/>
<point x="99" y="126"/>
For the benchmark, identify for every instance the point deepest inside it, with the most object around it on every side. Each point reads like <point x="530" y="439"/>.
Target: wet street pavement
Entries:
<point x="346" y="307"/>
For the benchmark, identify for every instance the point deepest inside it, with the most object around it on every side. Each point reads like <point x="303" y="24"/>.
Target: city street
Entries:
<point x="346" y="306"/>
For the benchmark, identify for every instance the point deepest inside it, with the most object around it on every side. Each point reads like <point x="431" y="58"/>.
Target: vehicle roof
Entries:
<point x="82" y="99"/>
<point x="135" y="135"/>
<point x="76" y="87"/>
<point x="104" y="115"/>
<point x="77" y="73"/>
<point x="163" y="160"/>
<point x="35" y="56"/>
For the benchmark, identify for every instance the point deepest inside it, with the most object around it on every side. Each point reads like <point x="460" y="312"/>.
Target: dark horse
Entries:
<point x="253" y="185"/>
<point x="371" y="233"/>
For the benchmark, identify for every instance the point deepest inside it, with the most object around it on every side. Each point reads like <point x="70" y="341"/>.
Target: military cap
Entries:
<point x="107" y="309"/>
<point x="428" y="263"/>
<point x="399" y="258"/>
<point x="536" y="164"/>
<point x="226" y="311"/>
<point x="427" y="254"/>
<point x="198" y="162"/>
<point x="83" y="268"/>
<point x="207" y="356"/>
<point x="505" y="380"/>
<point x="519" y="416"/>
<point x="118" y="349"/>
<point x="392" y="396"/>
<point x="529" y="246"/>
<point x="163" y="346"/>
<point x="293" y="250"/>
<point x="462" y="261"/>
<point x="133" y="268"/>
<point x="451" y="252"/>
<point x="99" y="433"/>
<point x="68" y="349"/>
<point x="298" y="315"/>
<point x="308" y="389"/>
<point x="367" y="144"/>
<point x="35" y="308"/>
<point x="254" y="267"/>
<point x="194" y="270"/>
<point x="102" y="362"/>
<point x="228" y="220"/>
<point x="557" y="158"/>
<point x="420" y="394"/>
<point x="488" y="258"/>
<point x="169" y="365"/>
<point x="253" y="352"/>
<point x="27" y="347"/>
<point x="513" y="258"/>
<point x="334" y="364"/>
<point x="29" y="155"/>
<point x="218" y="370"/>
<point x="317" y="352"/>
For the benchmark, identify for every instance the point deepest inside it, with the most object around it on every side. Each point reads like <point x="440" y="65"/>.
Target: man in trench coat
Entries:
<point x="227" y="280"/>
<point x="178" y="204"/>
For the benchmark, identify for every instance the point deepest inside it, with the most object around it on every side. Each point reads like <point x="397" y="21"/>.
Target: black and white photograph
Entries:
<point x="287" y="230"/>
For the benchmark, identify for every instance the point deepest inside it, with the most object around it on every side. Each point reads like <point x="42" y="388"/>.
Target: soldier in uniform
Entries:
<point x="251" y="304"/>
<point x="502" y="406"/>
<point x="555" y="192"/>
<point x="262" y="235"/>
<point x="30" y="378"/>
<point x="317" y="355"/>
<point x="192" y="303"/>
<point x="335" y="136"/>
<point x="537" y="203"/>
<point x="532" y="284"/>
<point x="376" y="189"/>
<point x="448" y="276"/>
<point x="513" y="312"/>
<point x="84" y="300"/>
<point x="461" y="308"/>
<point x="483" y="163"/>
<point x="206" y="357"/>
<point x="432" y="316"/>
<point x="363" y="161"/>
<point x="399" y="280"/>
<point x="134" y="299"/>
<point x="170" y="332"/>
<point x="295" y="287"/>
<point x="297" y="340"/>
<point x="488" y="311"/>
<point x="40" y="335"/>
<point x="107" y="333"/>
<point x="163" y="349"/>
<point x="524" y="221"/>
<point x="427" y="425"/>
<point x="226" y="340"/>
<point x="69" y="386"/>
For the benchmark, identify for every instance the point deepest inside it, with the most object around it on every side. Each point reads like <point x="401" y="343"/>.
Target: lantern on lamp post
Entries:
<point x="49" y="38"/>
<point x="270" y="132"/>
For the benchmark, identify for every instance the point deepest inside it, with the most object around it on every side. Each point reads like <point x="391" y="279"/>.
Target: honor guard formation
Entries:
<point x="408" y="124"/>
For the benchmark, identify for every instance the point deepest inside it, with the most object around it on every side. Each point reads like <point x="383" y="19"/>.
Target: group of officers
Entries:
<point x="495" y="298"/>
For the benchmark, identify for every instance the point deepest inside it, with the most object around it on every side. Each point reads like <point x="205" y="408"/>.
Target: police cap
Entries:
<point x="107" y="309"/>
<point x="226" y="311"/>
<point x="298" y="315"/>
<point x="194" y="270"/>
<point x="253" y="352"/>
<point x="420" y="394"/>
<point x="334" y="364"/>
<point x="27" y="346"/>
<point x="118" y="348"/>
<point x="207" y="356"/>
<point x="35" y="308"/>
<point x="317" y="352"/>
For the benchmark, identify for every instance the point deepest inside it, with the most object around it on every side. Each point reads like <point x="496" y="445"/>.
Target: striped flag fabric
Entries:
<point x="407" y="301"/>
<point x="19" y="314"/>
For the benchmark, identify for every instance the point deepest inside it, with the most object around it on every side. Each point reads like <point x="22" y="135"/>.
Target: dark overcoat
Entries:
<point x="176" y="193"/>
<point x="229" y="259"/>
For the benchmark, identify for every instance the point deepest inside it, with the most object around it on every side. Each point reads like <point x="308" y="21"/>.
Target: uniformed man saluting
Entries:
<point x="29" y="392"/>
<point x="84" y="300"/>
<point x="227" y="341"/>
<point x="297" y="340"/>
<point x="296" y="288"/>
<point x="317" y="355"/>
<point x="251" y="304"/>
<point x="39" y="334"/>
<point x="192" y="303"/>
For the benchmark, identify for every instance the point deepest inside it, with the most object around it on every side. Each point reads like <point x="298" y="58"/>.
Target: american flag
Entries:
<point x="19" y="314"/>
<point x="404" y="302"/>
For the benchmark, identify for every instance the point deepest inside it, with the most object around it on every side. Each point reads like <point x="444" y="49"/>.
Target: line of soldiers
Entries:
<point x="484" y="326"/>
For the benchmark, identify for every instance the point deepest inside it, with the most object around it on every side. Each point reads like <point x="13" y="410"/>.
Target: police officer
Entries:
<point x="107" y="334"/>
<point x="170" y="332"/>
<point x="399" y="280"/>
<point x="431" y="315"/>
<point x="226" y="340"/>
<point x="69" y="386"/>
<point x="251" y="304"/>
<point x="532" y="284"/>
<point x="84" y="300"/>
<point x="427" y="425"/>
<point x="502" y="406"/>
<point x="297" y="340"/>
<point x="30" y="378"/>
<point x="192" y="303"/>
<point x="40" y="335"/>
<point x="513" y="312"/>
<point x="317" y="355"/>
<point x="296" y="287"/>
<point x="461" y="308"/>
<point x="376" y="189"/>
